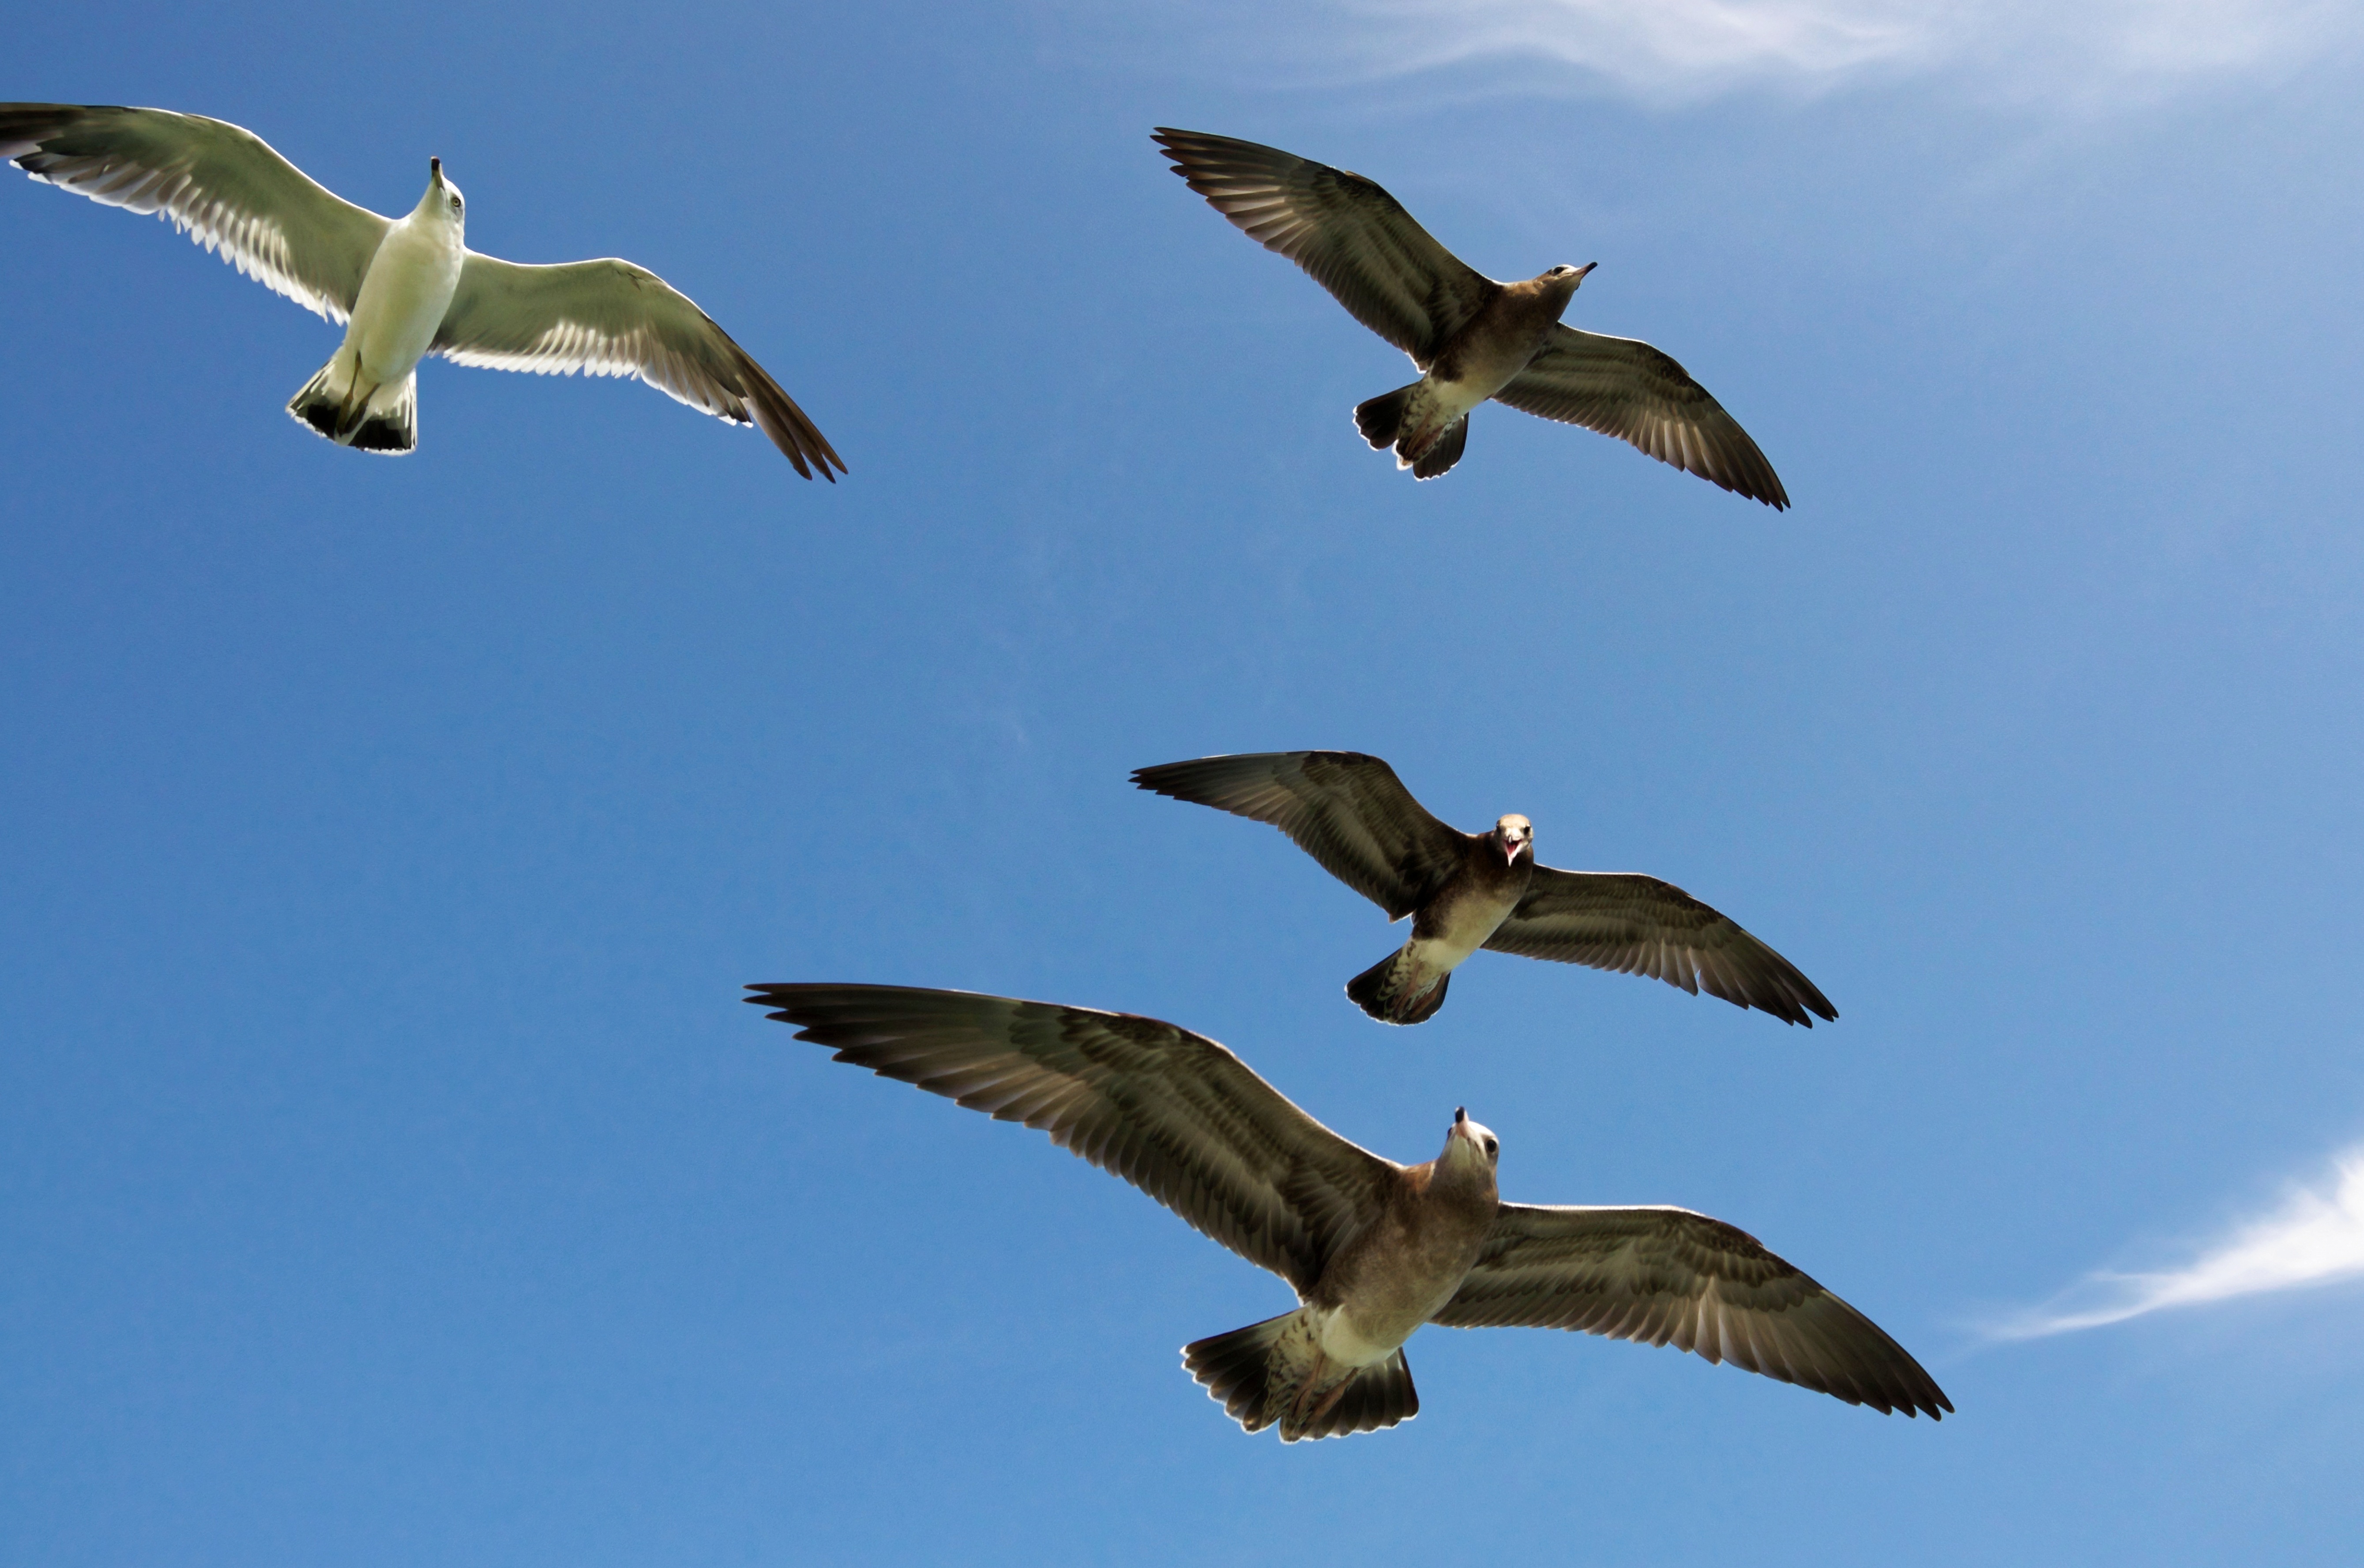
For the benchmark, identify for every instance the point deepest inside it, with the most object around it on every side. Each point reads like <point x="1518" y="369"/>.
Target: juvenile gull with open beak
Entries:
<point x="1464" y="891"/>
<point x="1374" y="1248"/>
<point x="406" y="287"/>
<point x="1472" y="337"/>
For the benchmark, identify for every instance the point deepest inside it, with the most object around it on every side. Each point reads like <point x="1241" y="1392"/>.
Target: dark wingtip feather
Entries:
<point x="1757" y="480"/>
<point x="766" y="995"/>
<point x="1171" y="779"/>
<point x="785" y="994"/>
<point x="1171" y="143"/>
<point x="778" y="416"/>
<point x="25" y="126"/>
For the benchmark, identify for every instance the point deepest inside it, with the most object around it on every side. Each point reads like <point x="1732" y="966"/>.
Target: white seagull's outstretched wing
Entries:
<point x="222" y="184"/>
<point x="1671" y="1276"/>
<point x="610" y="318"/>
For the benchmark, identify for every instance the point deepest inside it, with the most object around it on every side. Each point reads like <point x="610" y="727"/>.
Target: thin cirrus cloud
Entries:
<point x="2316" y="1237"/>
<point x="1676" y="50"/>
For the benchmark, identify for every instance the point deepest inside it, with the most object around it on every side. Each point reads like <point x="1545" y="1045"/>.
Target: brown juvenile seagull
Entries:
<point x="405" y="287"/>
<point x="1464" y="891"/>
<point x="1472" y="337"/>
<point x="1373" y="1248"/>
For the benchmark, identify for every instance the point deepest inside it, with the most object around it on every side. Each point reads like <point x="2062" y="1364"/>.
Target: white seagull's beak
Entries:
<point x="435" y="170"/>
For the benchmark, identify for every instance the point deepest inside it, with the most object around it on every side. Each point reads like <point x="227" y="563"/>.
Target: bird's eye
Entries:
<point x="1493" y="1148"/>
<point x="456" y="203"/>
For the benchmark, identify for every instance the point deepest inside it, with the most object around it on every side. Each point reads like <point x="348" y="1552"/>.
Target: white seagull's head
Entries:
<point x="442" y="201"/>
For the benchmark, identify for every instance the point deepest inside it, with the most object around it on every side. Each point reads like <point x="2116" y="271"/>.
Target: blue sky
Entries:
<point x="393" y="1176"/>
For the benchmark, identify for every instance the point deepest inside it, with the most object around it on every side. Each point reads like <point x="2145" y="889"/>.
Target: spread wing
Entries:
<point x="1353" y="238"/>
<point x="1624" y="387"/>
<point x="1669" y="1276"/>
<point x="1171" y="1112"/>
<point x="610" y="318"/>
<point x="1638" y="925"/>
<point x="223" y="186"/>
<point x="1348" y="811"/>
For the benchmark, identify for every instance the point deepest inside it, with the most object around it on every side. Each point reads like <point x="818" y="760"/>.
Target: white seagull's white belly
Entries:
<point x="403" y="299"/>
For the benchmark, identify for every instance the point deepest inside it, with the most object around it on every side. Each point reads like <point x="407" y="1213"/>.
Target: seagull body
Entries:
<point x="1467" y="891"/>
<point x="367" y="394"/>
<point x="1374" y="1249"/>
<point x="1472" y="337"/>
<point x="405" y="288"/>
<point x="1428" y="422"/>
<point x="1429" y="1228"/>
<point x="1468" y="907"/>
<point x="1425" y="1230"/>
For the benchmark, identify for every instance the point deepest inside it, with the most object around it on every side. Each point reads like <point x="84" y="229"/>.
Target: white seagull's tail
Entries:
<point x="351" y="413"/>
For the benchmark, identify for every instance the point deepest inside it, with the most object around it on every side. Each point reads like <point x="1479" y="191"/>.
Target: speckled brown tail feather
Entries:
<point x="1239" y="1369"/>
<point x="1444" y="452"/>
<point x="1381" y="418"/>
<point x="1258" y="1372"/>
<point x="1380" y="1396"/>
<point x="1375" y="993"/>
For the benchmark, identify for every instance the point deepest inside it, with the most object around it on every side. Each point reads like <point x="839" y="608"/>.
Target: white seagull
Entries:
<point x="405" y="287"/>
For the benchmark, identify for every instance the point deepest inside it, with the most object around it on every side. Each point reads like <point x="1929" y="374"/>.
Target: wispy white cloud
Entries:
<point x="2085" y="50"/>
<point x="2314" y="1238"/>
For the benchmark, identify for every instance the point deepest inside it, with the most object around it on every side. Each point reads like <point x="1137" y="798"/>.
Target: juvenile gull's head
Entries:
<point x="1513" y="835"/>
<point x="1470" y="1145"/>
<point x="1562" y="281"/>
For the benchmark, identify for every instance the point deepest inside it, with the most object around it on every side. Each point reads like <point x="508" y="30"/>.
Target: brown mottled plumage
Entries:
<point x="1464" y="891"/>
<point x="1374" y="1248"/>
<point x="1472" y="337"/>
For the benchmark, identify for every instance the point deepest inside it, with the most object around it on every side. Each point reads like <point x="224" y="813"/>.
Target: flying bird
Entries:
<point x="1472" y="337"/>
<point x="1464" y="891"/>
<point x="406" y="287"/>
<point x="1373" y="1248"/>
